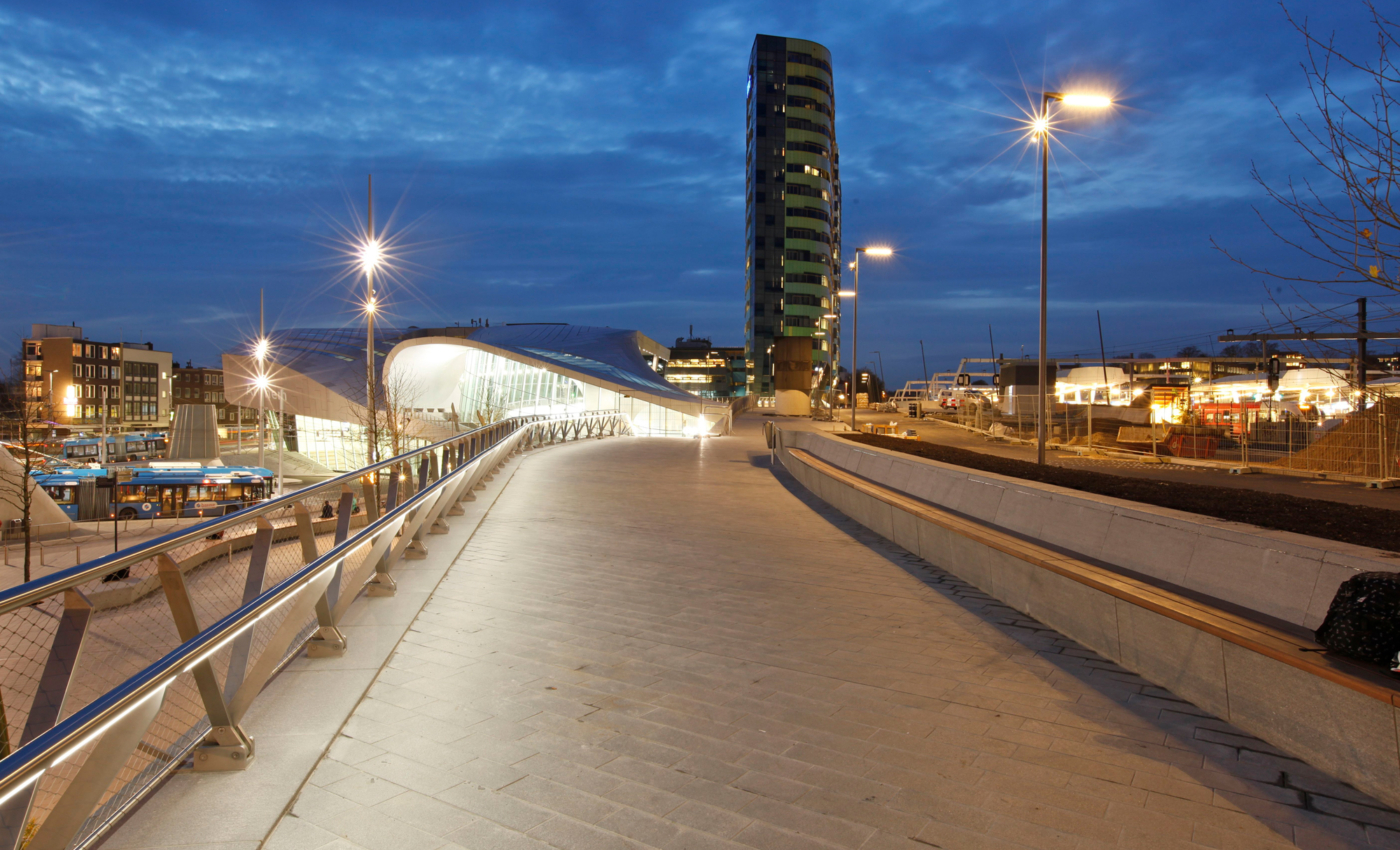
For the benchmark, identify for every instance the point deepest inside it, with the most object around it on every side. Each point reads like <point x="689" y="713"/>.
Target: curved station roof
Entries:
<point x="322" y="371"/>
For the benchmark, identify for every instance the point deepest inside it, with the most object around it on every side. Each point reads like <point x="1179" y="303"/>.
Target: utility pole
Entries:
<point x="102" y="453"/>
<point x="1362" y="336"/>
<point x="1361" y="349"/>
<point x="262" y="413"/>
<point x="372" y="431"/>
<point x="923" y="360"/>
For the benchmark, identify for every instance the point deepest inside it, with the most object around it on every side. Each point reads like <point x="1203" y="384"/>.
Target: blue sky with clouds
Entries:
<point x="161" y="162"/>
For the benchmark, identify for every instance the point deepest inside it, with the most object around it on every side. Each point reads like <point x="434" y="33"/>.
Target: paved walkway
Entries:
<point x="667" y="643"/>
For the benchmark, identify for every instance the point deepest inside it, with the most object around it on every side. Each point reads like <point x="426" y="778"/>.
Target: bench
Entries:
<point x="1338" y="714"/>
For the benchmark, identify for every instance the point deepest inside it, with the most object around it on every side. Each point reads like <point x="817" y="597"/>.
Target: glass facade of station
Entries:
<point x="495" y="387"/>
<point x="443" y="384"/>
<point x="340" y="446"/>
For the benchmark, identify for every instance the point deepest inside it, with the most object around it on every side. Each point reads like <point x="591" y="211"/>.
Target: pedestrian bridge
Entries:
<point x="545" y="639"/>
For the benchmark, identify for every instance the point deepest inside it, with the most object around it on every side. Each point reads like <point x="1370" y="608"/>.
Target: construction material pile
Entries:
<point x="1355" y="447"/>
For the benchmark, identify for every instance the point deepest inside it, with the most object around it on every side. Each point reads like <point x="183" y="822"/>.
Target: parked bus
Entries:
<point x="208" y="491"/>
<point x="120" y="448"/>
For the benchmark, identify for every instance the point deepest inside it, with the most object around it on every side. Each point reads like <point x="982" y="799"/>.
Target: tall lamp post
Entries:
<point x="264" y="384"/>
<point x="260" y="352"/>
<point x="1040" y="127"/>
<point x="852" y="293"/>
<point x="831" y="373"/>
<point x="370" y="256"/>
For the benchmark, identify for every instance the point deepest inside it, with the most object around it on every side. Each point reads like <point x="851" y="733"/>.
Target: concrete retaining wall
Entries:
<point x="1289" y="576"/>
<point x="1348" y="733"/>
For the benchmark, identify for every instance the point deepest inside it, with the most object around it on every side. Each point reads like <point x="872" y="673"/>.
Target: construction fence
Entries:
<point x="1361" y="445"/>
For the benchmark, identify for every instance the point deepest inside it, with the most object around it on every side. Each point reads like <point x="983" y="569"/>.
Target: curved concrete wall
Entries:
<point x="1288" y="576"/>
<point x="46" y="518"/>
<point x="1335" y="715"/>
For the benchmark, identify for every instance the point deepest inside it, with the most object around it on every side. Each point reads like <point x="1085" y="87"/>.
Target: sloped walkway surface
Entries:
<point x="667" y="643"/>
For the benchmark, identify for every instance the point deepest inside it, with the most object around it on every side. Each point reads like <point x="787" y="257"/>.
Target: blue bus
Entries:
<point x="120" y="448"/>
<point x="207" y="491"/>
<point x="64" y="486"/>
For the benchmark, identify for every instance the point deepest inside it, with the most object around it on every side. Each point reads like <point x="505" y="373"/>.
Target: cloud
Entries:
<point x="581" y="161"/>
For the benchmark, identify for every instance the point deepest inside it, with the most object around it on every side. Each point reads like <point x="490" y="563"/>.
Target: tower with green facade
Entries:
<point x="792" y="266"/>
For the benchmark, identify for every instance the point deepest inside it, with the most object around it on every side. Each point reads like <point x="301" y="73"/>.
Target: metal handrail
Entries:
<point x="51" y="748"/>
<point x="111" y="714"/>
<point x="54" y="583"/>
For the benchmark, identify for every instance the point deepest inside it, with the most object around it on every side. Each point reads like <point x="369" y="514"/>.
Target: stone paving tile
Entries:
<point x="669" y="644"/>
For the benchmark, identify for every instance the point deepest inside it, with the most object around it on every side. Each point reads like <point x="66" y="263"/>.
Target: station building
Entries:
<point x="435" y="382"/>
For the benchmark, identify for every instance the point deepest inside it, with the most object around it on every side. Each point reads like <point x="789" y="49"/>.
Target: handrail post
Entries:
<point x="393" y="497"/>
<point x="305" y="532"/>
<point x="342" y="514"/>
<point x="415" y="550"/>
<point x="86" y="789"/>
<point x="226" y="747"/>
<point x="369" y="491"/>
<point x="44" y="711"/>
<point x="252" y="586"/>
<point x="329" y="641"/>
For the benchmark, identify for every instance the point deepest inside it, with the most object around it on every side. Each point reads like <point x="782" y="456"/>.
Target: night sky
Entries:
<point x="583" y="162"/>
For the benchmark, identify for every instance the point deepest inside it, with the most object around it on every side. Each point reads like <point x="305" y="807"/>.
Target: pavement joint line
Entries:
<point x="768" y="663"/>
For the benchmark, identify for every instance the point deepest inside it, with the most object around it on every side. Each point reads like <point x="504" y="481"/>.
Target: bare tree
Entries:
<point x="1350" y="222"/>
<point x="394" y="422"/>
<point x="489" y="409"/>
<point x="399" y="416"/>
<point x="24" y="421"/>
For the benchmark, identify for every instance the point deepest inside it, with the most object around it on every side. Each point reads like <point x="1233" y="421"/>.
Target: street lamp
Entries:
<point x="855" y="316"/>
<point x="260" y="353"/>
<point x="1040" y="127"/>
<point x="371" y="256"/>
<point x="830" y="373"/>
<point x="263" y="384"/>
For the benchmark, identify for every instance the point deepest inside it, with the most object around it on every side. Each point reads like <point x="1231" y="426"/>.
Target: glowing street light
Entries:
<point x="1093" y="101"/>
<point x="1040" y="129"/>
<point x="371" y="253"/>
<point x="262" y="349"/>
<point x="371" y="257"/>
<point x="855" y="317"/>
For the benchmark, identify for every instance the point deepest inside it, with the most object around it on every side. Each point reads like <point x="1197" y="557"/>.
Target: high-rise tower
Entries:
<point x="793" y="258"/>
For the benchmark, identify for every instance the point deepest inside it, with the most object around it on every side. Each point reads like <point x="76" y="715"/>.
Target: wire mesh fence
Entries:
<point x="74" y="642"/>
<point x="1363" y="444"/>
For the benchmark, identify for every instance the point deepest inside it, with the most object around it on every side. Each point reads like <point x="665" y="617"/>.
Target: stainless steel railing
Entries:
<point x="125" y="679"/>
